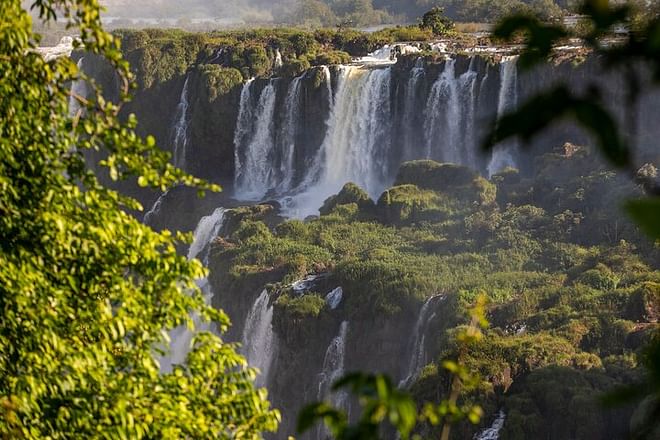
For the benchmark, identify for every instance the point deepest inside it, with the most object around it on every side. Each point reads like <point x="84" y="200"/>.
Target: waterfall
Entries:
<point x="356" y="147"/>
<point x="333" y="299"/>
<point x="327" y="76"/>
<point x="259" y="342"/>
<point x="333" y="369"/>
<point x="418" y="358"/>
<point x="255" y="146"/>
<point x="278" y="59"/>
<point x="181" y="337"/>
<point x="243" y="127"/>
<point x="288" y="134"/>
<point x="180" y="140"/>
<point x="503" y="154"/>
<point x="468" y="90"/>
<point x="443" y="113"/>
<point x="155" y="209"/>
<point x="78" y="88"/>
<point x="493" y="433"/>
<point x="410" y="109"/>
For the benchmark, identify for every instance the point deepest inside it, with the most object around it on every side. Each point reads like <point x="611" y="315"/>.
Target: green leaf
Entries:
<point x="646" y="213"/>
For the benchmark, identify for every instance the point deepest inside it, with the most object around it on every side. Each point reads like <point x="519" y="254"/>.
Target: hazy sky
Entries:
<point x="226" y="9"/>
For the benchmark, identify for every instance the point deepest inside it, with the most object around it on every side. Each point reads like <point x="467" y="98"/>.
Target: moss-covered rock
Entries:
<point x="349" y="194"/>
<point x="409" y="204"/>
<point x="458" y="181"/>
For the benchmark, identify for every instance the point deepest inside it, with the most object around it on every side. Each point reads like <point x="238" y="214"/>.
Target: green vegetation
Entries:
<point x="316" y="13"/>
<point x="159" y="55"/>
<point x="87" y="292"/>
<point x="564" y="290"/>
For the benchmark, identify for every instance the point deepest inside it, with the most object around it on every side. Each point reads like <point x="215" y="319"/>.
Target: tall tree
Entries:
<point x="87" y="293"/>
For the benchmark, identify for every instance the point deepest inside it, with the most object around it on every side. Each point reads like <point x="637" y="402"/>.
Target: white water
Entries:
<point x="333" y="299"/>
<point x="243" y="128"/>
<point x="288" y="134"/>
<point x="278" y="59"/>
<point x="468" y="90"/>
<point x="503" y="155"/>
<point x="443" y="116"/>
<point x="359" y="138"/>
<point x="418" y="358"/>
<point x="259" y="342"/>
<point x="63" y="49"/>
<point x="410" y="110"/>
<point x="493" y="433"/>
<point x="180" y="139"/>
<point x="334" y="369"/>
<point x="155" y="209"/>
<point x="78" y="89"/>
<point x="181" y="337"/>
<point x="356" y="145"/>
<point x="257" y="150"/>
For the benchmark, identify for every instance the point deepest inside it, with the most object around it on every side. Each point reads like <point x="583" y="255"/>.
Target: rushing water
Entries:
<point x="373" y="122"/>
<point x="334" y="369"/>
<point x="410" y="110"/>
<point x="288" y="135"/>
<point x="418" y="356"/>
<point x="493" y="433"/>
<point x="256" y="148"/>
<point x="180" y="135"/>
<point x="181" y="338"/>
<point x="504" y="155"/>
<point x="79" y="89"/>
<point x="259" y="342"/>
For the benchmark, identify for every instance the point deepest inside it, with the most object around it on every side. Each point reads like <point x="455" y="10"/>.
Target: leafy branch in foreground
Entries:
<point x="385" y="408"/>
<point x="87" y="292"/>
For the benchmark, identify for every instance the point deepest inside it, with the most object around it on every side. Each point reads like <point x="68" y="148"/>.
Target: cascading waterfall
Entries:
<point x="410" y="109"/>
<point x="334" y="368"/>
<point x="355" y="148"/>
<point x="243" y="128"/>
<point x="418" y="343"/>
<point x="443" y="111"/>
<point x="357" y="141"/>
<point x="289" y="132"/>
<point x="180" y="138"/>
<point x="155" y="209"/>
<point x="181" y="338"/>
<point x="272" y="158"/>
<point x="450" y="115"/>
<point x="504" y="154"/>
<point x="493" y="433"/>
<point x="256" y="147"/>
<point x="78" y="89"/>
<point x="468" y="87"/>
<point x="259" y="341"/>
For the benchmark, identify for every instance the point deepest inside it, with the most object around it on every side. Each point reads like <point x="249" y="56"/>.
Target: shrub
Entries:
<point x="335" y="57"/>
<point x="600" y="277"/>
<point x="350" y="193"/>
<point x="301" y="307"/>
<point x="219" y="81"/>
<point x="295" y="67"/>
<point x="408" y="203"/>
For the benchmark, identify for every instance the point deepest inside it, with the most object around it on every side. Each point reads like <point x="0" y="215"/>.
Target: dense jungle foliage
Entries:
<point x="574" y="287"/>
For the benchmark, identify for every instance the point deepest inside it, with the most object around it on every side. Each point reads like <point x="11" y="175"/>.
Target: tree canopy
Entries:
<point x="87" y="292"/>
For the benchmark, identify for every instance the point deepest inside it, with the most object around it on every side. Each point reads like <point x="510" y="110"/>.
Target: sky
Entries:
<point x="237" y="10"/>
